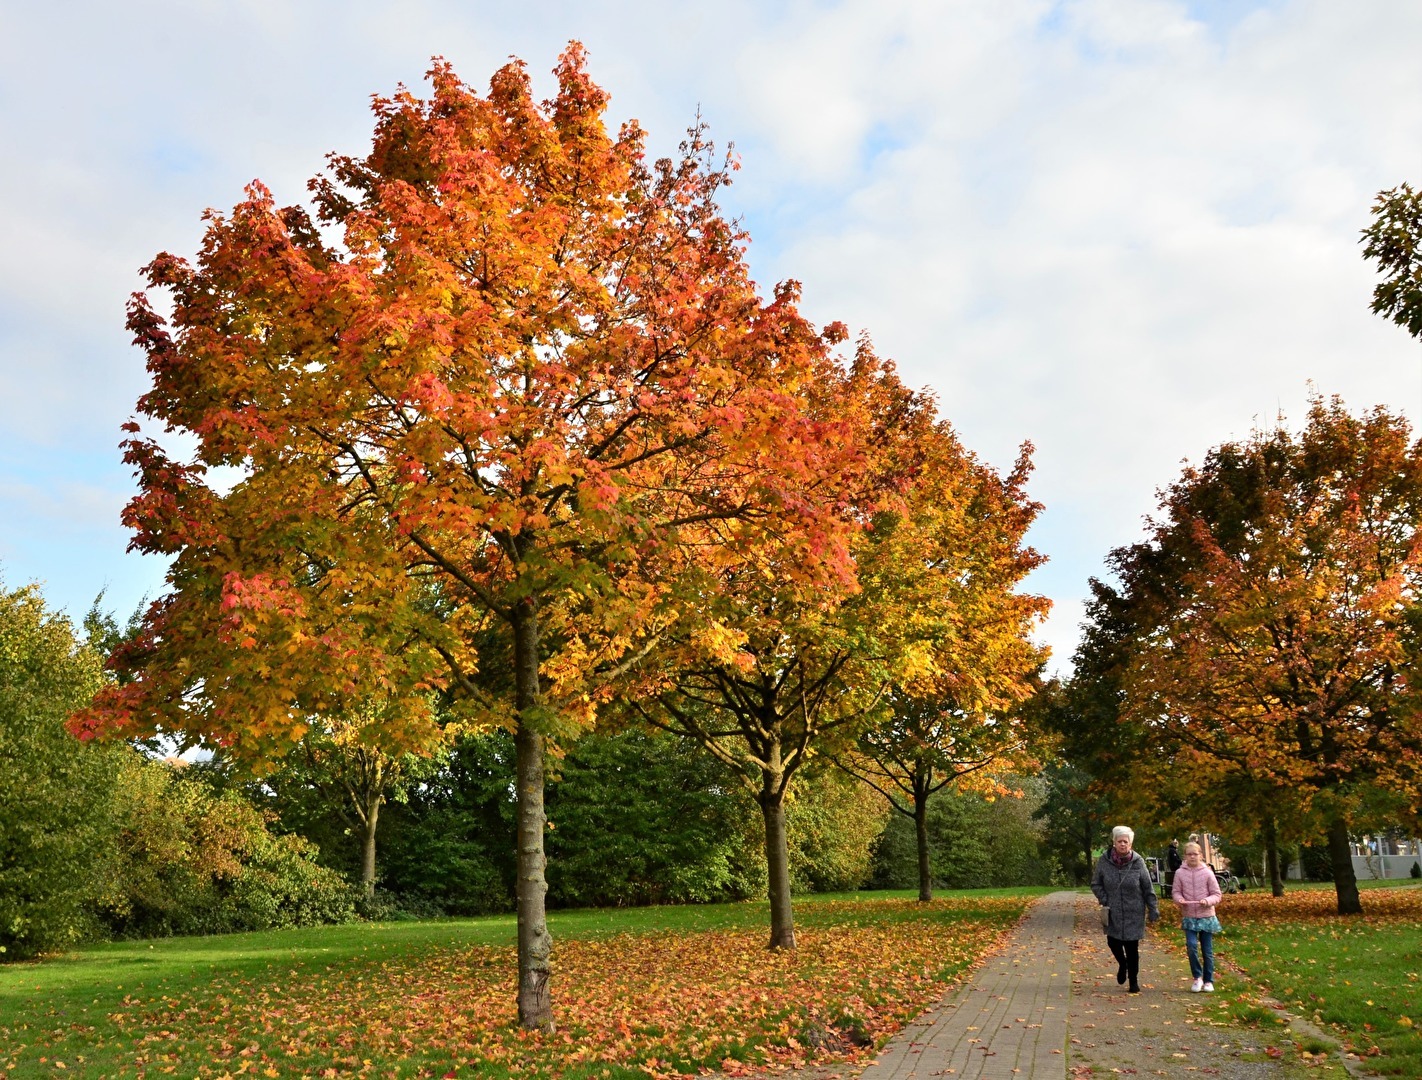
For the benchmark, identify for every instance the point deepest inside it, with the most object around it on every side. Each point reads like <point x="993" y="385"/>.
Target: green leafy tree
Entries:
<point x="56" y="825"/>
<point x="340" y="768"/>
<point x="1394" y="242"/>
<point x="833" y="825"/>
<point x="450" y="842"/>
<point x="1075" y="814"/>
<point x="643" y="818"/>
<point x="977" y="840"/>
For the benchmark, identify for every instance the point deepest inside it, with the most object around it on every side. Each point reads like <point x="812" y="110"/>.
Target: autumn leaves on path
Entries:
<point x="1008" y="1021"/>
<point x="1048" y="1007"/>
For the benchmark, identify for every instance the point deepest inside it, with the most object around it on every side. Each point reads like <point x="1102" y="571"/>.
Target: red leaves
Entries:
<point x="669" y="1004"/>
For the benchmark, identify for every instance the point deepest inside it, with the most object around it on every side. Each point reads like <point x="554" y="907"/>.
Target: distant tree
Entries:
<point x="778" y="664"/>
<point x="340" y="764"/>
<point x="103" y="632"/>
<point x="940" y="572"/>
<point x="1075" y="815"/>
<point x="978" y="840"/>
<point x="642" y="818"/>
<point x="832" y="824"/>
<point x="449" y="845"/>
<point x="1280" y="649"/>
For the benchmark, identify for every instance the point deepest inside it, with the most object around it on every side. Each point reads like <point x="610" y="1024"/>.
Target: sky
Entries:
<point x="1122" y="230"/>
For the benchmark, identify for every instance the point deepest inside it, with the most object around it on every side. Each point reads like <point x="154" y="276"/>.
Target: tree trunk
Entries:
<point x="920" y="826"/>
<point x="777" y="861"/>
<point x="367" y="862"/>
<point x="1271" y="859"/>
<point x="535" y="944"/>
<point x="1345" y="882"/>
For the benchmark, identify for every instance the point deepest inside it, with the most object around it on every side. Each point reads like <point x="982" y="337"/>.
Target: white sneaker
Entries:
<point x="1208" y="988"/>
<point x="1195" y="986"/>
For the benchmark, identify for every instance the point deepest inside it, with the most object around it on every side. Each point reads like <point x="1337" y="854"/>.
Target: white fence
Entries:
<point x="1373" y="867"/>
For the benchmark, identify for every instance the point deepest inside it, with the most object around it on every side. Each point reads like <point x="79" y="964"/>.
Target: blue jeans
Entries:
<point x="1206" y="950"/>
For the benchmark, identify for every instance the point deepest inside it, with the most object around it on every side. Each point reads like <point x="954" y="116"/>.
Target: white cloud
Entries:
<point x="1114" y="227"/>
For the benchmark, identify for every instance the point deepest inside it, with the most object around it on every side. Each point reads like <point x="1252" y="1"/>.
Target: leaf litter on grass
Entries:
<point x="1353" y="976"/>
<point x="657" y="1005"/>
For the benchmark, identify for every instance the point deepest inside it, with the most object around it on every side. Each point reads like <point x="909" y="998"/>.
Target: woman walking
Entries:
<point x="1122" y="885"/>
<point x="1197" y="891"/>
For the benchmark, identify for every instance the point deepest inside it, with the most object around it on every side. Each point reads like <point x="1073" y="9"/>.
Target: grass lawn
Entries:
<point x="639" y="992"/>
<point x="1357" y="977"/>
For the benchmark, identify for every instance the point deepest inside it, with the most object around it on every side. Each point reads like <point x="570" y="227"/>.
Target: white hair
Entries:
<point x="1120" y="831"/>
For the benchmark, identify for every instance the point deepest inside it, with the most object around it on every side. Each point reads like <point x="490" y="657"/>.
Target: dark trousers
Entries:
<point x="1128" y="955"/>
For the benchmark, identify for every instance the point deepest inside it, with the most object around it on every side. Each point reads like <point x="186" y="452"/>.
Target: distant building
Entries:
<point x="1379" y="857"/>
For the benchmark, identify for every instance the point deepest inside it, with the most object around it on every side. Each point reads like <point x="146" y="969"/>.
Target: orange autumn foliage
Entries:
<point x="494" y="397"/>
<point x="665" y="1005"/>
<point x="1274" y="622"/>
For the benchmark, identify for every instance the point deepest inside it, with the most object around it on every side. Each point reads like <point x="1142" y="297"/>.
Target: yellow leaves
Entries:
<point x="719" y="642"/>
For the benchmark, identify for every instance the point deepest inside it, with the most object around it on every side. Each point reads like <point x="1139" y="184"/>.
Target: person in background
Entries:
<point x="1172" y="857"/>
<point x="1122" y="884"/>
<point x="1196" y="891"/>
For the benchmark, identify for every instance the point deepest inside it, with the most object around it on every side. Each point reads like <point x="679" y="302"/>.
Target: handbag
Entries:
<point x="1104" y="914"/>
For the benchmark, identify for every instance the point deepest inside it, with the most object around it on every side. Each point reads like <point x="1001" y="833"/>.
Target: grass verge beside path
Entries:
<point x="1359" y="978"/>
<point x="648" y="991"/>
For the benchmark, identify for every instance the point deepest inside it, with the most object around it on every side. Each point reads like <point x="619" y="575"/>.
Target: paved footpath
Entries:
<point x="1008" y="1022"/>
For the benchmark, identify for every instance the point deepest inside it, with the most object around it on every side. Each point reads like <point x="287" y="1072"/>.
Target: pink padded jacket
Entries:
<point x="1196" y="891"/>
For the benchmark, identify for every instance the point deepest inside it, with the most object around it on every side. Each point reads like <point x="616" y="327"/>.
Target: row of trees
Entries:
<point x="1250" y="668"/>
<point x="503" y="437"/>
<point x="108" y="839"/>
<point x="507" y="438"/>
<point x="637" y="817"/>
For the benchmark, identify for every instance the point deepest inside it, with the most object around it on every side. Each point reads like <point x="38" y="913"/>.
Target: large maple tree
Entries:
<point x="1278" y="621"/>
<point x="502" y="377"/>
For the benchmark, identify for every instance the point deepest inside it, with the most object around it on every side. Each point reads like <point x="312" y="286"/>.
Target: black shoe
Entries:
<point x="1134" y="988"/>
<point x="1120" y="976"/>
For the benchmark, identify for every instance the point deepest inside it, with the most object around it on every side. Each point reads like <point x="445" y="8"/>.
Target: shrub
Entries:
<point x="189" y="860"/>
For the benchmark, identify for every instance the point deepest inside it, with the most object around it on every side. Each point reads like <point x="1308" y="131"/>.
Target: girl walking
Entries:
<point x="1196" y="892"/>
<point x="1122" y="884"/>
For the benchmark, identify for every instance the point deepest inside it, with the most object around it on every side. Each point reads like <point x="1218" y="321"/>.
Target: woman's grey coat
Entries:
<point x="1128" y="892"/>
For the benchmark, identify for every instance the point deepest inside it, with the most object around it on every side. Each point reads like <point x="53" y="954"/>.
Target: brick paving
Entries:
<point x="1008" y="1022"/>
